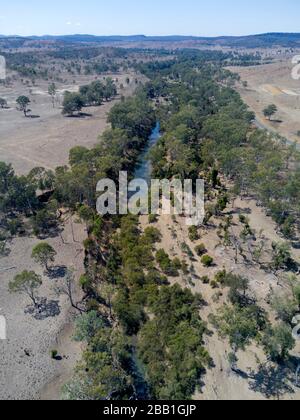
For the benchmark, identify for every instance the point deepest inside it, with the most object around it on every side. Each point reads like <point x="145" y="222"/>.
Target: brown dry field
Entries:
<point x="46" y="141"/>
<point x="273" y="84"/>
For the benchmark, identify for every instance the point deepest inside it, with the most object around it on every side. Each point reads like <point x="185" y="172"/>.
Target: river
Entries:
<point x="144" y="167"/>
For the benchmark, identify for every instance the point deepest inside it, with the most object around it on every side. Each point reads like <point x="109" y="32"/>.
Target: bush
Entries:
<point x="214" y="284"/>
<point x="154" y="277"/>
<point x="205" y="280"/>
<point x="200" y="250"/>
<point x="177" y="264"/>
<point x="184" y="267"/>
<point x="187" y="250"/>
<point x="193" y="233"/>
<point x="152" y="218"/>
<point x="243" y="219"/>
<point x="152" y="235"/>
<point x="54" y="354"/>
<point x="220" y="277"/>
<point x="165" y="263"/>
<point x="207" y="260"/>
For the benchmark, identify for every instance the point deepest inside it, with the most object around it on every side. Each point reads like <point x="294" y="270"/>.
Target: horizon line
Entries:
<point x="149" y="36"/>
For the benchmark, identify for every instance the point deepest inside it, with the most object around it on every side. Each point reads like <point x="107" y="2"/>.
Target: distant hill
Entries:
<point x="287" y="40"/>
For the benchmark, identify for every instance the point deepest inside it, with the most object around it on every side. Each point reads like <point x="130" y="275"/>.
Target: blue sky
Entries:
<point x="149" y="17"/>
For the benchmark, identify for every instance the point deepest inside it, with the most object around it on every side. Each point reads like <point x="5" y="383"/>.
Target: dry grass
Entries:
<point x="273" y="84"/>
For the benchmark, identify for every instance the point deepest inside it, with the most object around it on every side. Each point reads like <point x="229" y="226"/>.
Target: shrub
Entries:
<point x="184" y="267"/>
<point x="54" y="354"/>
<point x="221" y="276"/>
<point x="207" y="260"/>
<point x="214" y="284"/>
<point x="243" y="219"/>
<point x="187" y="250"/>
<point x="205" y="280"/>
<point x="193" y="233"/>
<point x="152" y="218"/>
<point x="200" y="250"/>
<point x="152" y="235"/>
<point x="166" y="264"/>
<point x="177" y="264"/>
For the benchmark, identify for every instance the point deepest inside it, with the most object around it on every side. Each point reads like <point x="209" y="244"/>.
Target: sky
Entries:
<point x="148" y="17"/>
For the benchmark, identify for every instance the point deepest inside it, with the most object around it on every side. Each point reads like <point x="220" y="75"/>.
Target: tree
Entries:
<point x="285" y="308"/>
<point x="23" y="102"/>
<point x="92" y="94"/>
<point x="43" y="221"/>
<point x="110" y="89"/>
<point x="282" y="257"/>
<point x="296" y="293"/>
<point x="87" y="325"/>
<point x="3" y="103"/>
<point x="238" y="325"/>
<point x="278" y="341"/>
<point x="6" y="176"/>
<point x="73" y="102"/>
<point x="43" y="253"/>
<point x="68" y="288"/>
<point x="52" y="92"/>
<point x="102" y="375"/>
<point x="270" y="111"/>
<point x="26" y="283"/>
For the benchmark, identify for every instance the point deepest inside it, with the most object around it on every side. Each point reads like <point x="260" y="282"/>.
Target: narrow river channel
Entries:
<point x="144" y="167"/>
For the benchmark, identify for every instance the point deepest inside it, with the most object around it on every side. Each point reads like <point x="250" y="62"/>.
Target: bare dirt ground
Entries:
<point x="46" y="141"/>
<point x="273" y="84"/>
<point x="259" y="379"/>
<point x="25" y="363"/>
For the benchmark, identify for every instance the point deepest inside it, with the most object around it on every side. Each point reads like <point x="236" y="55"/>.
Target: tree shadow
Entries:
<point x="272" y="381"/>
<point x="44" y="309"/>
<point x="57" y="358"/>
<point x="32" y="116"/>
<point x="57" y="272"/>
<point x="293" y="266"/>
<point x="80" y="115"/>
<point x="52" y="232"/>
<point x="296" y="245"/>
<point x="277" y="121"/>
<point x="246" y="210"/>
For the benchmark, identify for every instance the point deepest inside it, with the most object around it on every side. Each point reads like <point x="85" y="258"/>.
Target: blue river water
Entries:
<point x="144" y="167"/>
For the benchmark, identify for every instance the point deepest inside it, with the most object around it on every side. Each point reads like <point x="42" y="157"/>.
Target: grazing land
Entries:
<point x="273" y="84"/>
<point x="45" y="141"/>
<point x="134" y="307"/>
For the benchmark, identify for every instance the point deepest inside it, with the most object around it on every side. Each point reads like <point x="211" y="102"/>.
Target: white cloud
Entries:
<point x="72" y="23"/>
